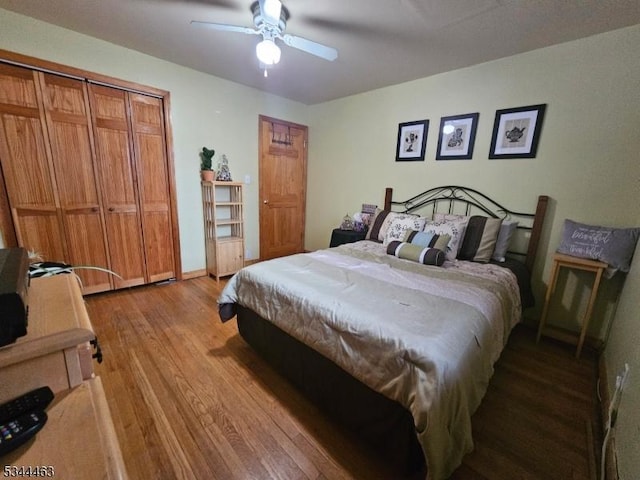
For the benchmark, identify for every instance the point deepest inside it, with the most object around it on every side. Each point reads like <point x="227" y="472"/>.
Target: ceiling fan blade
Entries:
<point x="225" y="28"/>
<point x="314" y="48"/>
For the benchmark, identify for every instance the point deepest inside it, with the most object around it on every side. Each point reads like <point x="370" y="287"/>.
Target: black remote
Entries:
<point x="37" y="399"/>
<point x="19" y="430"/>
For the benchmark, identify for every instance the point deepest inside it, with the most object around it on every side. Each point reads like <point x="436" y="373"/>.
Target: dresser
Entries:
<point x="79" y="439"/>
<point x="57" y="349"/>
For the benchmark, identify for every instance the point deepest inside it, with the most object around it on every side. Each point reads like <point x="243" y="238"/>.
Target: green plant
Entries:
<point x="206" y="158"/>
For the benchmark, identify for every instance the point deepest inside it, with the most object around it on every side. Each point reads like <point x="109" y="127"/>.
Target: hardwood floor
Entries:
<point x="190" y="399"/>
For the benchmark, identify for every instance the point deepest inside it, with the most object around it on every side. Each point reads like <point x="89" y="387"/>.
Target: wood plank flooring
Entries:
<point x="191" y="400"/>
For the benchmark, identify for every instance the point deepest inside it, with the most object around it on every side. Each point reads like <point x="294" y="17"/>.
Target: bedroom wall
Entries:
<point x="587" y="162"/>
<point x="623" y="348"/>
<point x="587" y="159"/>
<point x="205" y="111"/>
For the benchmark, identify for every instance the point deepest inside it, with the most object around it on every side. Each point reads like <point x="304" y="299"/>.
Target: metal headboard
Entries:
<point x="467" y="201"/>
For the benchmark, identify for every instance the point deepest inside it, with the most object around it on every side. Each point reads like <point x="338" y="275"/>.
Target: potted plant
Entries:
<point x="206" y="171"/>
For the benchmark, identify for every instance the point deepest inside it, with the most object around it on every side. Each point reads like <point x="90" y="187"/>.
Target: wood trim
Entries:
<point x="194" y="274"/>
<point x="173" y="194"/>
<point x="7" y="230"/>
<point x="60" y="69"/>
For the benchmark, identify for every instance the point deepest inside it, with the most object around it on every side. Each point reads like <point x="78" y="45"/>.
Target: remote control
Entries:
<point x="19" y="430"/>
<point x="37" y="399"/>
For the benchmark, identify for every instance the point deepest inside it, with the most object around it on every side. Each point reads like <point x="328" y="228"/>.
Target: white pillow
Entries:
<point x="455" y="228"/>
<point x="400" y="224"/>
<point x="507" y="229"/>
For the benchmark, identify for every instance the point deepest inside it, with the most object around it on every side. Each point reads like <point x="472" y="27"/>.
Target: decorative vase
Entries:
<point x="207" y="175"/>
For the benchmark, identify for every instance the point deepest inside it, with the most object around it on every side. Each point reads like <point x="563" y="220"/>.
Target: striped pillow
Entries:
<point x="480" y="239"/>
<point x="416" y="253"/>
<point x="427" y="239"/>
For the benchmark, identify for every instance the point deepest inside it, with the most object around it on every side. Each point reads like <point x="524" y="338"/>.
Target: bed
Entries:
<point x="399" y="348"/>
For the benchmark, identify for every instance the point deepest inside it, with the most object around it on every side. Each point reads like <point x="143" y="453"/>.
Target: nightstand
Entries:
<point x="567" y="261"/>
<point x="339" y="237"/>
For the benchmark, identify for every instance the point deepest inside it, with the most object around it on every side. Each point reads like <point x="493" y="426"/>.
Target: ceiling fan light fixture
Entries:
<point x="268" y="52"/>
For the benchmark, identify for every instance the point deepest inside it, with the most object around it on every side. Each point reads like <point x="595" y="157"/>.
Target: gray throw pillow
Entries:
<point x="614" y="246"/>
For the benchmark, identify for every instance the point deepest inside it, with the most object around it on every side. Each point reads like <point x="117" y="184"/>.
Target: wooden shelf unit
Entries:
<point x="223" y="209"/>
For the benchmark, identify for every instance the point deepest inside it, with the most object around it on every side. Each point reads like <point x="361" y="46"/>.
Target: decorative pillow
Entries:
<point x="427" y="239"/>
<point x="399" y="225"/>
<point x="614" y="246"/>
<point x="453" y="228"/>
<point x="416" y="253"/>
<point x="507" y="229"/>
<point x="480" y="239"/>
<point x="381" y="221"/>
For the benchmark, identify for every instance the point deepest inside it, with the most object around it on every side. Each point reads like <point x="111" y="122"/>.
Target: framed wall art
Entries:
<point x="516" y="132"/>
<point x="412" y="140"/>
<point x="456" y="137"/>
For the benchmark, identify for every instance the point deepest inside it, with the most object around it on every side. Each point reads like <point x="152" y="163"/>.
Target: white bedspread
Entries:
<point x="424" y="336"/>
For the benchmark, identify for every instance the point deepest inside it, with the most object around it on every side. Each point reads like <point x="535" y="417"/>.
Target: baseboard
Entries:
<point x="194" y="274"/>
<point x="571" y="338"/>
<point x="203" y="272"/>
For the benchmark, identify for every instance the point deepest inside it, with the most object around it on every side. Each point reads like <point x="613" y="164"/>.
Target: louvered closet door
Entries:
<point x="68" y="121"/>
<point x="151" y="160"/>
<point x="27" y="166"/>
<point x="116" y="166"/>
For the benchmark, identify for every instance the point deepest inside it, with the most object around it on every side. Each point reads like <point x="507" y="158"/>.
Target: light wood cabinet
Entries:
<point x="224" y="227"/>
<point x="88" y="177"/>
<point x="79" y="439"/>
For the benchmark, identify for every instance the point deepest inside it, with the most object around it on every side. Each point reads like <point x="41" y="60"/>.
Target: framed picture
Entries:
<point x="516" y="132"/>
<point x="412" y="139"/>
<point x="457" y="136"/>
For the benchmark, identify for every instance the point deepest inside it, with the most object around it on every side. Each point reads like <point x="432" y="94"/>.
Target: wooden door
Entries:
<point x="116" y="167"/>
<point x="283" y="186"/>
<point x="27" y="167"/>
<point x="68" y="121"/>
<point x="153" y="182"/>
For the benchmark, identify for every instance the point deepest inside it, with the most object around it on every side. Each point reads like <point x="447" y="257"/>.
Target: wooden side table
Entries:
<point x="560" y="260"/>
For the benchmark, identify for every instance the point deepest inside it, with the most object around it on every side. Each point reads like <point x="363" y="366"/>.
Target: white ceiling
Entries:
<point x="380" y="42"/>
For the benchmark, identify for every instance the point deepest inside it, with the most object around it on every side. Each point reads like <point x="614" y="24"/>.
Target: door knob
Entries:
<point x="266" y="202"/>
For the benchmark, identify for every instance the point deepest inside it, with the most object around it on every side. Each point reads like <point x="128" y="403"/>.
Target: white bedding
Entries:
<point x="424" y="336"/>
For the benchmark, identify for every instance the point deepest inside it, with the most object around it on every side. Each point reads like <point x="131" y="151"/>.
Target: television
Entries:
<point x="14" y="286"/>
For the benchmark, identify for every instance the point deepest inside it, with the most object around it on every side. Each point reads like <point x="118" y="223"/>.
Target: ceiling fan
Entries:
<point x="270" y="20"/>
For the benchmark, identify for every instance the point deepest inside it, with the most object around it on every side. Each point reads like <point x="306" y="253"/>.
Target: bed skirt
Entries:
<point x="382" y="423"/>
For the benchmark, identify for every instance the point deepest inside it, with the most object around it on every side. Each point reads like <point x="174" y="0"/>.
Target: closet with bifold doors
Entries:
<point x="88" y="177"/>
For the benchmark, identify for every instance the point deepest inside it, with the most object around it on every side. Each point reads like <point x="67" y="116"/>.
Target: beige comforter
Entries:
<point x="424" y="336"/>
